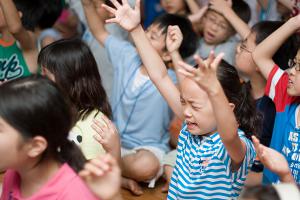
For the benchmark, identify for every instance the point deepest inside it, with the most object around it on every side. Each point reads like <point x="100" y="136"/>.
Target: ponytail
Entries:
<point x="248" y="118"/>
<point x="239" y="94"/>
<point x="71" y="154"/>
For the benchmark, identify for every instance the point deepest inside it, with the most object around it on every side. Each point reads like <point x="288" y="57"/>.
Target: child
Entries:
<point x="249" y="71"/>
<point x="39" y="160"/>
<point x="72" y="66"/>
<point x="276" y="162"/>
<point x="283" y="88"/>
<point x="218" y="34"/>
<point x="140" y="112"/>
<point x="15" y="61"/>
<point x="210" y="145"/>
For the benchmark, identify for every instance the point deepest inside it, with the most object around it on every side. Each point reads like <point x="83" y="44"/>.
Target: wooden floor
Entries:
<point x="149" y="194"/>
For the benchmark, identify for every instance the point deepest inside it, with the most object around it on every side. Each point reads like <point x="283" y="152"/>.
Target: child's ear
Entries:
<point x="232" y="106"/>
<point x="20" y="14"/>
<point x="166" y="57"/>
<point x="37" y="146"/>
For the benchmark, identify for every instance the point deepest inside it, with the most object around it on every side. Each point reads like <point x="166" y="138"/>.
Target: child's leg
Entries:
<point x="140" y="166"/>
<point x="169" y="163"/>
<point x="168" y="170"/>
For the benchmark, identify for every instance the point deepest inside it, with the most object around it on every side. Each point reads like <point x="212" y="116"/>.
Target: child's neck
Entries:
<point x="33" y="178"/>
<point x="258" y="84"/>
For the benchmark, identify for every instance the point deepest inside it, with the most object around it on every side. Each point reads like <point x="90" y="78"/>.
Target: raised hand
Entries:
<point x="125" y="16"/>
<point x="205" y="73"/>
<point x="103" y="177"/>
<point x="220" y="5"/>
<point x="273" y="160"/>
<point x="107" y="135"/>
<point x="174" y="38"/>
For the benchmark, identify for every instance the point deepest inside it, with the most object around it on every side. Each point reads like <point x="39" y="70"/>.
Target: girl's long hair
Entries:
<point x="75" y="71"/>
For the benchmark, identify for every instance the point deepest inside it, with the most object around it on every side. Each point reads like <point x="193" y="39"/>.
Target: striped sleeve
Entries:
<point x="242" y="172"/>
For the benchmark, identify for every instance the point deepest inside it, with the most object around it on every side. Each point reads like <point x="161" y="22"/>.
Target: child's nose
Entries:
<point x="187" y="112"/>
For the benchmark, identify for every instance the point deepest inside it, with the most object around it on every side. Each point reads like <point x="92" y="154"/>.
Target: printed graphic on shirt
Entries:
<point x="10" y="68"/>
<point x="292" y="152"/>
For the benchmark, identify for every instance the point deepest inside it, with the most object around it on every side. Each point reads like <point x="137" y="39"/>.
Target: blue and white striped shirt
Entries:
<point x="203" y="168"/>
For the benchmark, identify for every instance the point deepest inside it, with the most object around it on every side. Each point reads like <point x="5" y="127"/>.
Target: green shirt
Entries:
<point x="12" y="63"/>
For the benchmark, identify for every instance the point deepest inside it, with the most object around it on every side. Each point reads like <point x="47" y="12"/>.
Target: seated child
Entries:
<point x="219" y="35"/>
<point x="72" y="66"/>
<point x="140" y="113"/>
<point x="39" y="160"/>
<point x="283" y="88"/>
<point x="210" y="147"/>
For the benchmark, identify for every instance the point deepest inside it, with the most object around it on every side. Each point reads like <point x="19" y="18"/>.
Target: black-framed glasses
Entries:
<point x="293" y="63"/>
<point x="242" y="47"/>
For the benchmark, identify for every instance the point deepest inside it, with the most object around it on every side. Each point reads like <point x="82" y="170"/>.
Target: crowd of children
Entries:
<point x="89" y="91"/>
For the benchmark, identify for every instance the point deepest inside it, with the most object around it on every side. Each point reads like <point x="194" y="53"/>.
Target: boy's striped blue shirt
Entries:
<point x="203" y="168"/>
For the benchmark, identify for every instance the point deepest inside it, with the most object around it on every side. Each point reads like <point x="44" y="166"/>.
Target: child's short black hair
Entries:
<point x="287" y="50"/>
<point x="190" y="41"/>
<point x="242" y="9"/>
<point x="39" y="13"/>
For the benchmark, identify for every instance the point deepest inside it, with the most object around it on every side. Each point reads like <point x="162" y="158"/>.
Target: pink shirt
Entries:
<point x="64" y="185"/>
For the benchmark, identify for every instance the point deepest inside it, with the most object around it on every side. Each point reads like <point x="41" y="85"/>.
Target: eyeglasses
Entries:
<point x="293" y="63"/>
<point x="242" y="47"/>
<point x="220" y="25"/>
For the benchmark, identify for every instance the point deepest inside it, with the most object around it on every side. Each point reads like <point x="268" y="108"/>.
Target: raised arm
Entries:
<point x="223" y="7"/>
<point x="95" y="22"/>
<point x="274" y="161"/>
<point x="193" y="6"/>
<point x="15" y="27"/>
<point x="264" y="52"/>
<point x="227" y="126"/>
<point x="129" y="19"/>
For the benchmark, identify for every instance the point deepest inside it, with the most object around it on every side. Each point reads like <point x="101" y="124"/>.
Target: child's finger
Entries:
<point x="116" y="3"/>
<point x="124" y="2"/>
<point x="185" y="73"/>
<point x="84" y="173"/>
<point x="101" y="164"/>
<point x="109" y="9"/>
<point x="199" y="62"/>
<point x="137" y="6"/>
<point x="112" y="20"/>
<point x="187" y="67"/>
<point x="93" y="169"/>
<point x="217" y="61"/>
<point x="210" y="58"/>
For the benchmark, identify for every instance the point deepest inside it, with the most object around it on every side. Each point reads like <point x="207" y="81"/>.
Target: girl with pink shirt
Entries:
<point x="40" y="162"/>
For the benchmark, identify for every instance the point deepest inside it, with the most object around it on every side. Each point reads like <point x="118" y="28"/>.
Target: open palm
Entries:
<point x="125" y="16"/>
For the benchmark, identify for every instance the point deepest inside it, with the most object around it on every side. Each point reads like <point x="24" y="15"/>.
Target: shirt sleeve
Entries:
<point x="121" y="53"/>
<point x="242" y="172"/>
<point x="276" y="88"/>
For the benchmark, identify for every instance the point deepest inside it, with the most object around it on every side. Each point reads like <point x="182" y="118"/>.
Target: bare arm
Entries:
<point x="15" y="27"/>
<point x="264" y="52"/>
<point x="129" y="19"/>
<point x="95" y="23"/>
<point x="157" y="70"/>
<point x="238" y="24"/>
<point x="193" y="6"/>
<point x="205" y="77"/>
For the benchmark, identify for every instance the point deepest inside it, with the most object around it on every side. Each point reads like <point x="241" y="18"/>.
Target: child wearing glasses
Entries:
<point x="218" y="34"/>
<point x="283" y="87"/>
<point x="249" y="70"/>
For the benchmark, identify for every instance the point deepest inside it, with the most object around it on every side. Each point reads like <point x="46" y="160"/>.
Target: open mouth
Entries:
<point x="191" y="125"/>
